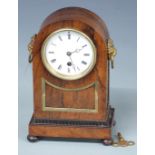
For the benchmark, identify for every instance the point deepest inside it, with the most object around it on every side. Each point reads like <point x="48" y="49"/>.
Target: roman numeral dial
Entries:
<point x="69" y="54"/>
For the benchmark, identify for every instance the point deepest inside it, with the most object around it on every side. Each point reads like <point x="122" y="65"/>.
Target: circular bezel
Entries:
<point x="63" y="76"/>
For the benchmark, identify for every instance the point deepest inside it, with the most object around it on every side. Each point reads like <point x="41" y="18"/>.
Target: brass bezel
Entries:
<point x="62" y="76"/>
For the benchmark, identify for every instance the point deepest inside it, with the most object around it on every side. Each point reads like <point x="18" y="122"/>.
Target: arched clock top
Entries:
<point x="77" y="14"/>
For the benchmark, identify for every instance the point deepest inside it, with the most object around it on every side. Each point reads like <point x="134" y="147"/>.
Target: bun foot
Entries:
<point x="32" y="138"/>
<point x="107" y="142"/>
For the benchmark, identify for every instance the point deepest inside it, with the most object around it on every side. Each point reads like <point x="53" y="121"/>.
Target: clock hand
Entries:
<point x="69" y="55"/>
<point x="72" y="63"/>
<point x="76" y="51"/>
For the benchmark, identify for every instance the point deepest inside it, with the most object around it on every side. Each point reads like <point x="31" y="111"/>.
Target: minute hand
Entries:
<point x="76" y="51"/>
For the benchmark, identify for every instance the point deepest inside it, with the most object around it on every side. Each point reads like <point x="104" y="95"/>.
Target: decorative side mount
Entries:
<point x="111" y="52"/>
<point x="30" y="48"/>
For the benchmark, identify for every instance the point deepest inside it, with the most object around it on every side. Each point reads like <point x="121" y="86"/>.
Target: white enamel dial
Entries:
<point x="68" y="54"/>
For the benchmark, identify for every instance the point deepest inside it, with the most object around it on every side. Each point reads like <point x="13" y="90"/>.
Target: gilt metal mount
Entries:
<point x="111" y="52"/>
<point x="30" y="48"/>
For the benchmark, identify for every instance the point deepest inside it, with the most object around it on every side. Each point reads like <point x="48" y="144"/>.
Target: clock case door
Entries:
<point x="78" y="108"/>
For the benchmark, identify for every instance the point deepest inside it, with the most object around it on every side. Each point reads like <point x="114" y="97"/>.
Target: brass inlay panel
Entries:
<point x="44" y="82"/>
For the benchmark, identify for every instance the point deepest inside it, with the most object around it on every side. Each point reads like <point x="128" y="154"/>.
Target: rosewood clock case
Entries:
<point x="77" y="108"/>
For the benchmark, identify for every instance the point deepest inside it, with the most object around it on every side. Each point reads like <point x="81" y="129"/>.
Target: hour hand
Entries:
<point x="69" y="55"/>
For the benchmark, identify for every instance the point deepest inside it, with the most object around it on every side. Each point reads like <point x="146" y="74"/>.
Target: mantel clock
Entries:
<point x="71" y="57"/>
